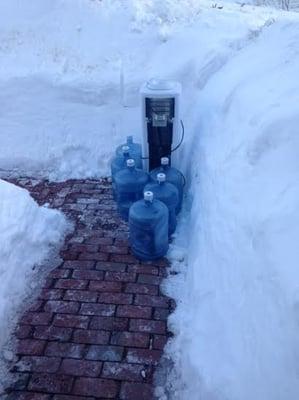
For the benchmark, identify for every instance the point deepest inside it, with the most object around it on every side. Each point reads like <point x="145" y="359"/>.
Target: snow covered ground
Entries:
<point x="27" y="235"/>
<point x="69" y="77"/>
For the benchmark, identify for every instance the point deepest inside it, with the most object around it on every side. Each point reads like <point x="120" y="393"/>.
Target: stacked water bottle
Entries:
<point x="150" y="202"/>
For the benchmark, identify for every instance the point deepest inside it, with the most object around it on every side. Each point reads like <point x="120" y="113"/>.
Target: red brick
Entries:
<point x="115" y="249"/>
<point x="27" y="396"/>
<point x="51" y="383"/>
<point x="94" y="256"/>
<point x="141" y="289"/>
<point x="123" y="371"/>
<point x="81" y="367"/>
<point x="161" y="314"/>
<point x="36" y="306"/>
<point x="159" y="342"/>
<point x="109" y="323"/>
<point x="105" y="286"/>
<point x="37" y="318"/>
<point x="143" y="356"/>
<point x="121" y="242"/>
<point x="136" y="391"/>
<point x="23" y="331"/>
<point x="123" y="258"/>
<point x="134" y="339"/>
<point x="31" y="347"/>
<point x="133" y="311"/>
<point x="158" y="263"/>
<point x="69" y="255"/>
<point x="95" y="386"/>
<point x="153" y="301"/>
<point x="83" y="248"/>
<point x="99" y="240"/>
<point x="91" y="336"/>
<point x="144" y="325"/>
<point x="51" y="294"/>
<point x="79" y="264"/>
<point x="149" y="279"/>
<point x="71" y="284"/>
<point x="106" y="310"/>
<point x="71" y="350"/>
<point x="48" y="283"/>
<point x="69" y="397"/>
<point x="109" y="266"/>
<point x="120" y="276"/>
<point x="115" y="298"/>
<point x="81" y="295"/>
<point x="143" y="269"/>
<point x="60" y="273"/>
<point x="88" y="274"/>
<point x="105" y="353"/>
<point x="71" y="321"/>
<point x="38" y="364"/>
<point x="59" y="306"/>
<point x="52" y="333"/>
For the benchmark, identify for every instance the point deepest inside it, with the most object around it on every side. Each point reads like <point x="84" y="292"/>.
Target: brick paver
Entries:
<point x="99" y="324"/>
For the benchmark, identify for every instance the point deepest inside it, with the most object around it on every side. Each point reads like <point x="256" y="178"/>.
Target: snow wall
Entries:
<point x="28" y="233"/>
<point x="238" y="288"/>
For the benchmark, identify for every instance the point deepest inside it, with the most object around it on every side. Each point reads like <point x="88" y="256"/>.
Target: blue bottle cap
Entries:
<point x="148" y="196"/>
<point x="130" y="162"/>
<point x="161" y="177"/>
<point x="125" y="149"/>
<point x="164" y="161"/>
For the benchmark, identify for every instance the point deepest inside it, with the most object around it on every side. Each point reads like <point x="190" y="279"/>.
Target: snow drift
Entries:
<point x="27" y="234"/>
<point x="70" y="73"/>
<point x="238" y="315"/>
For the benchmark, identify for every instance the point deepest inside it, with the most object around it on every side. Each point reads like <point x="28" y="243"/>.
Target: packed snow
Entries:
<point x="69" y="77"/>
<point x="236" y="324"/>
<point x="28" y="233"/>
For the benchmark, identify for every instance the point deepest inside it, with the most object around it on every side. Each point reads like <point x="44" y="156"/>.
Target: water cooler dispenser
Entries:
<point x="161" y="122"/>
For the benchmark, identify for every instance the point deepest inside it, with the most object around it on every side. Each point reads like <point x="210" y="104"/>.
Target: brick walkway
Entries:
<point x="98" y="327"/>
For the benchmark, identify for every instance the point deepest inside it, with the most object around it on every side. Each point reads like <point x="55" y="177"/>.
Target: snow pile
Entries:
<point x="71" y="70"/>
<point x="27" y="234"/>
<point x="237" y="319"/>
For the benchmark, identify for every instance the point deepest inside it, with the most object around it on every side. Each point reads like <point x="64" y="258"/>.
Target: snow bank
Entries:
<point x="27" y="233"/>
<point x="238" y="312"/>
<point x="71" y="70"/>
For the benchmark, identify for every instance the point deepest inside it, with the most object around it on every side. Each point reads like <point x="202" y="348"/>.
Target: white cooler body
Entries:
<point x="160" y="121"/>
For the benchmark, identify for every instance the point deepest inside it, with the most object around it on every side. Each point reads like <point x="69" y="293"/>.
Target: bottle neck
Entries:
<point x="130" y="140"/>
<point x="148" y="203"/>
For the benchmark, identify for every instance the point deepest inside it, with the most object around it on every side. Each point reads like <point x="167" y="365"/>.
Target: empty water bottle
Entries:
<point x="118" y="163"/>
<point x="129" y="184"/>
<point x="173" y="176"/>
<point x="148" y="226"/>
<point x="134" y="150"/>
<point x="168" y="194"/>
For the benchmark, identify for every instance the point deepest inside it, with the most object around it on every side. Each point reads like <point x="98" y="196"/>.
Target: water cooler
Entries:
<point x="160" y="118"/>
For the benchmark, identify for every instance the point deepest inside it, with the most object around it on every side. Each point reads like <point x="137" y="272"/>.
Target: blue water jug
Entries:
<point x="118" y="163"/>
<point x="134" y="150"/>
<point x="148" y="228"/>
<point x="173" y="176"/>
<point x="129" y="184"/>
<point x="168" y="194"/>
